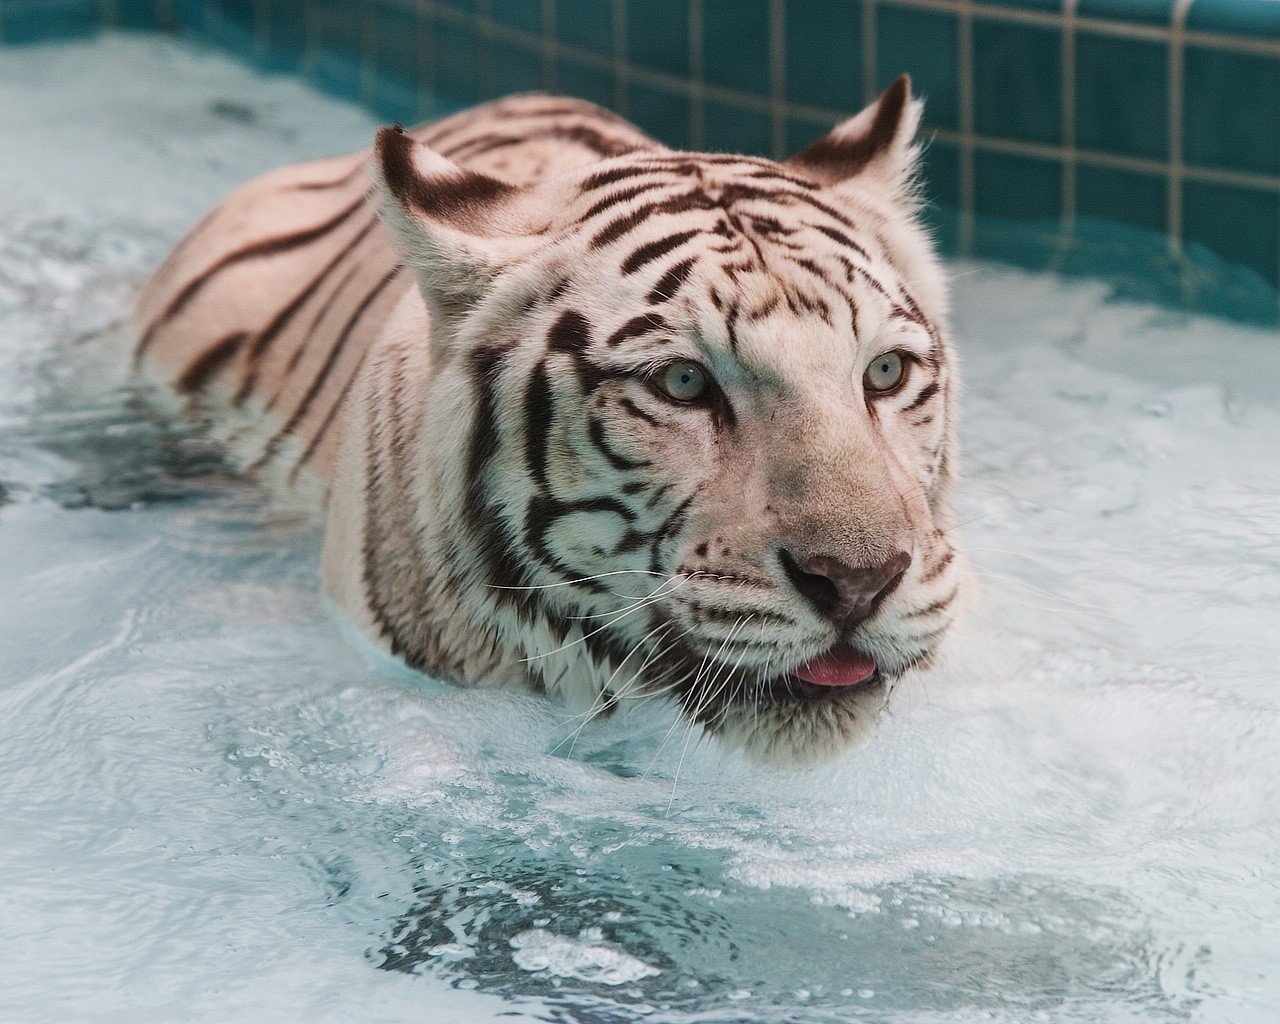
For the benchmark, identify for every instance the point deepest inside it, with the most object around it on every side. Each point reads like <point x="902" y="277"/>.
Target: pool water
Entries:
<point x="219" y="804"/>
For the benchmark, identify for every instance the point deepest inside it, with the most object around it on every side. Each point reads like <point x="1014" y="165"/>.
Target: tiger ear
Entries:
<point x="456" y="228"/>
<point x="876" y="146"/>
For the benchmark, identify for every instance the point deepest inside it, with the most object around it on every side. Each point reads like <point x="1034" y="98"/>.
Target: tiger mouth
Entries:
<point x="790" y="686"/>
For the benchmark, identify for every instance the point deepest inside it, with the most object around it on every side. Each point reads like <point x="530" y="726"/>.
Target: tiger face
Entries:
<point x="694" y="414"/>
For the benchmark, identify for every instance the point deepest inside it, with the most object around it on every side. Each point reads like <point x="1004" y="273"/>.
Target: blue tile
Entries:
<point x="286" y="37"/>
<point x="1007" y="185"/>
<point x="1236" y="17"/>
<point x="35" y="22"/>
<point x="585" y="81"/>
<point x="1122" y="96"/>
<point x="1124" y="197"/>
<point x="337" y="72"/>
<point x="525" y="15"/>
<point x="514" y="68"/>
<point x="658" y="35"/>
<point x="926" y="44"/>
<point x="1017" y="81"/>
<point x="394" y="100"/>
<point x="736" y="45"/>
<point x="729" y="128"/>
<point x="456" y="56"/>
<point x="144" y="14"/>
<point x="662" y="113"/>
<point x="395" y="42"/>
<point x="824" y="54"/>
<point x="1052" y="6"/>
<point x="1232" y="103"/>
<point x="940" y="166"/>
<point x="801" y="133"/>
<point x="586" y="24"/>
<point x="1240" y="225"/>
<point x="1143" y="12"/>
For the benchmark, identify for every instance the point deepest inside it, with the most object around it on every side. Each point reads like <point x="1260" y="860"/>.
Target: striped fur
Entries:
<point x="459" y="336"/>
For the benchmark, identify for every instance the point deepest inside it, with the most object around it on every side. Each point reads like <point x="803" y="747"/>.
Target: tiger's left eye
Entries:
<point x="885" y="372"/>
<point x="683" y="381"/>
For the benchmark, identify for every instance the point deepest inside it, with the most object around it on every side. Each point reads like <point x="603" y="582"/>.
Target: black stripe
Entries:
<point x="266" y="247"/>
<point x="926" y="393"/>
<point x="636" y="327"/>
<point x="209" y="362"/>
<point x="595" y="430"/>
<point x="282" y="318"/>
<point x="655" y="250"/>
<point x="614" y="230"/>
<point x="670" y="282"/>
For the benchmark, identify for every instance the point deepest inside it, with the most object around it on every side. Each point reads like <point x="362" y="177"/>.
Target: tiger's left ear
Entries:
<point x="877" y="146"/>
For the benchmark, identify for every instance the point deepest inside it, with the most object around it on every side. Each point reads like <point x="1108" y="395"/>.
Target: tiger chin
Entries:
<point x="597" y="417"/>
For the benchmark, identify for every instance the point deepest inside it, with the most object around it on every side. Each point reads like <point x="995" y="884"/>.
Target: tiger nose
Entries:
<point x="846" y="594"/>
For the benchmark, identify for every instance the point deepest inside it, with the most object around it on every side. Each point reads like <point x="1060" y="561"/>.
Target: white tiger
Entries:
<point x="599" y="417"/>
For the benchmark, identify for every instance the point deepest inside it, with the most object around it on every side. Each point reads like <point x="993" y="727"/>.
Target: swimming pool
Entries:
<point x="218" y="803"/>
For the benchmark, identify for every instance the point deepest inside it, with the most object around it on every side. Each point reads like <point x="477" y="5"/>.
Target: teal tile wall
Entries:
<point x="1156" y="116"/>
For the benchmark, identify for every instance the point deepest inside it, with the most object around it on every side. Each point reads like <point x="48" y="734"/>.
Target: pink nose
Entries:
<point x="844" y="593"/>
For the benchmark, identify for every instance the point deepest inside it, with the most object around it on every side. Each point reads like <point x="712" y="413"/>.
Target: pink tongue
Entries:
<point x="840" y="666"/>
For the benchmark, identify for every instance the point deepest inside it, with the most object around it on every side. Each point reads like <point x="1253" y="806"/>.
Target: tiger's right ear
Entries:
<point x="456" y="228"/>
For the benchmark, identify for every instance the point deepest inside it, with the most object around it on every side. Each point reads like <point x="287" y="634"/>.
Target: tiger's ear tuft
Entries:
<point x="455" y="228"/>
<point x="876" y="146"/>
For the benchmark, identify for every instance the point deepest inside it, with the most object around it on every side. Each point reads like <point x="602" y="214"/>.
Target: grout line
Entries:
<point x="426" y="67"/>
<point x="1068" y="212"/>
<point x="778" y="78"/>
<point x="1174" y="227"/>
<point x="547" y="42"/>
<point x="1101" y="26"/>
<point x="967" y="138"/>
<point x="826" y="115"/>
<point x="618" y="66"/>
<point x="870" y="71"/>
<point x="368" y="72"/>
<point x="484" y="34"/>
<point x="309" y="42"/>
<point x="261" y="32"/>
<point x="697" y="90"/>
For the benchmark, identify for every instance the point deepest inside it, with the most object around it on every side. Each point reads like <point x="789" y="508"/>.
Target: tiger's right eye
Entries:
<point x="683" y="381"/>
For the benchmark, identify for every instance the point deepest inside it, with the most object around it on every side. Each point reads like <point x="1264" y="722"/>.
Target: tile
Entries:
<point x="1240" y="225"/>
<point x="586" y="24"/>
<point x="514" y="68"/>
<point x="456" y="57"/>
<point x="735" y="39"/>
<point x="1232" y="103"/>
<point x="800" y="133"/>
<point x="1259" y="18"/>
<point x="824" y="54"/>
<point x="1007" y="185"/>
<point x="940" y="169"/>
<point x="1044" y="6"/>
<point x="393" y="100"/>
<point x="395" y="43"/>
<point x="663" y="113"/>
<point x="1143" y="12"/>
<point x="41" y="20"/>
<point x="142" y="14"/>
<point x="525" y="15"/>
<point x="926" y="44"/>
<point x="585" y="81"/>
<point x="1122" y="96"/>
<point x="1122" y="197"/>
<point x="286" y="37"/>
<point x="658" y="35"/>
<point x="1017" y="81"/>
<point x="729" y="128"/>
<point x="337" y="71"/>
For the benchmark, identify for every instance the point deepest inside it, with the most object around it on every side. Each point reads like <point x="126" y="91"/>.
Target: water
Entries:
<point x="218" y="804"/>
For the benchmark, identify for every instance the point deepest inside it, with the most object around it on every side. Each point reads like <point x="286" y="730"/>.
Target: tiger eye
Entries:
<point x="884" y="372"/>
<point x="683" y="381"/>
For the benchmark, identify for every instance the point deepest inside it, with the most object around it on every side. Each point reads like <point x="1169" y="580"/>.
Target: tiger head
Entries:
<point x="693" y="423"/>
